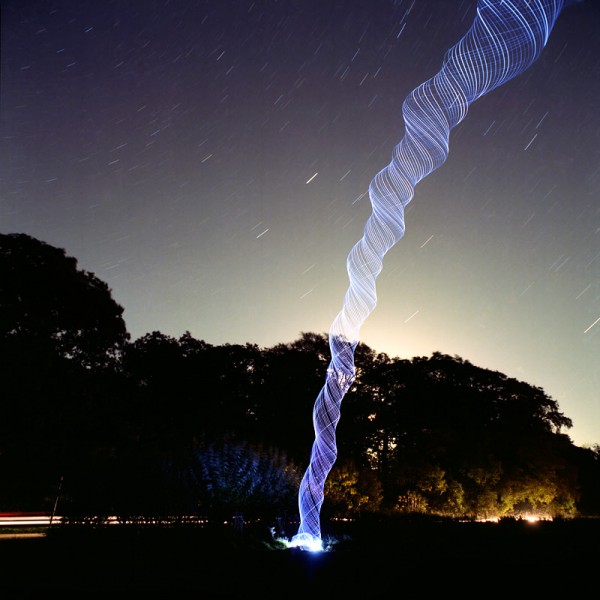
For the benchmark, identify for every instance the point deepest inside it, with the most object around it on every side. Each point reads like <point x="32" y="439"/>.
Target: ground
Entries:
<point x="380" y="561"/>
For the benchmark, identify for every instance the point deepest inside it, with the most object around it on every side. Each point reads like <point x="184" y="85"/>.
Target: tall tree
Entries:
<point x="61" y="333"/>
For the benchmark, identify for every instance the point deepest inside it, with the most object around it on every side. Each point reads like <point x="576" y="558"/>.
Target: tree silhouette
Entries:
<point x="61" y="335"/>
<point x="154" y="425"/>
<point x="448" y="437"/>
<point x="48" y="303"/>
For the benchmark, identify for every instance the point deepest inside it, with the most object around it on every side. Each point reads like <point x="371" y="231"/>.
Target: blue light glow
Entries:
<point x="506" y="37"/>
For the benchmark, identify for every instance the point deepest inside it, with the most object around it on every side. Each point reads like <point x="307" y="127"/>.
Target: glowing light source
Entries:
<point x="506" y="37"/>
<point x="305" y="541"/>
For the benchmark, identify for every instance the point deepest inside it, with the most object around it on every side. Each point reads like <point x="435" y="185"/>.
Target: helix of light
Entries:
<point x="506" y="37"/>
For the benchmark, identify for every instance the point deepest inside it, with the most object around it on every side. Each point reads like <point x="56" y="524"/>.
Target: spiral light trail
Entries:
<point x="506" y="37"/>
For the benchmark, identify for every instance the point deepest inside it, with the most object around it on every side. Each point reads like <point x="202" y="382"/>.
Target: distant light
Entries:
<point x="533" y="518"/>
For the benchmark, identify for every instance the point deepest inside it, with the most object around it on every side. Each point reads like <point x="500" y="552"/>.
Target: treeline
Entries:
<point x="166" y="426"/>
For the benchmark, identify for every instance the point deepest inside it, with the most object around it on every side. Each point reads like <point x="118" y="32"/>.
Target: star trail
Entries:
<point x="210" y="161"/>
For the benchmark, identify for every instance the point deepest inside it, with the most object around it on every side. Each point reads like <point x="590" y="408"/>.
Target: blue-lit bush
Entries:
<point x="226" y="478"/>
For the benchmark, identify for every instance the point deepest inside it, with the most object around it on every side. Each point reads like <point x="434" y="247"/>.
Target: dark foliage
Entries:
<point x="61" y="335"/>
<point x="49" y="305"/>
<point x="170" y="426"/>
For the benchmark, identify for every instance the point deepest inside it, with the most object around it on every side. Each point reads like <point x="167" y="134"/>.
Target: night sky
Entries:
<point x="209" y="160"/>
